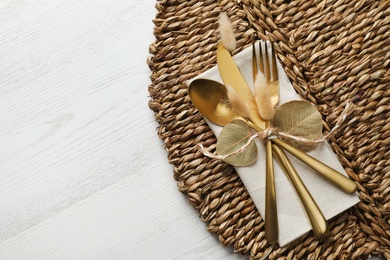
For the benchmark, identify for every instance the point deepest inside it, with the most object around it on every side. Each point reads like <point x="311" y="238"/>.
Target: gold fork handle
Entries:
<point x="271" y="216"/>
<point x="338" y="179"/>
<point x="317" y="219"/>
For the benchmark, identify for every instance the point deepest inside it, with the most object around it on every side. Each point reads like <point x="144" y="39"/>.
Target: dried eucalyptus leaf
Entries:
<point x="232" y="138"/>
<point x="301" y="119"/>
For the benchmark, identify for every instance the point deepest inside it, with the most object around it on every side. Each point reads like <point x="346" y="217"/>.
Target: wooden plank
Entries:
<point x="83" y="174"/>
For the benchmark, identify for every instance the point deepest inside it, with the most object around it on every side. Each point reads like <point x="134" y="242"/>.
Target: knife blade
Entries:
<point x="231" y="76"/>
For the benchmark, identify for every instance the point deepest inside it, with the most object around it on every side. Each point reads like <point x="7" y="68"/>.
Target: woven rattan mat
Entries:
<point x="333" y="51"/>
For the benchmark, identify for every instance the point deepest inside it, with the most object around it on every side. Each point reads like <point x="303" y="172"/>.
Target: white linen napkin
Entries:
<point x="292" y="218"/>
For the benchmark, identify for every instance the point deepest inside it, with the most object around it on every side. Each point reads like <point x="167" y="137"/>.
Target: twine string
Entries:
<point x="272" y="133"/>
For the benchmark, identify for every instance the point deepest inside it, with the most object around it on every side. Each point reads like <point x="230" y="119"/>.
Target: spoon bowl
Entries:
<point x="210" y="98"/>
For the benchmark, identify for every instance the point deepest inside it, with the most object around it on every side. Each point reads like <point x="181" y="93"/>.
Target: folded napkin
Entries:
<point x="292" y="218"/>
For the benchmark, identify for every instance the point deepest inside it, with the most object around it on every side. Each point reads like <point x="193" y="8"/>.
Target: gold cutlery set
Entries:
<point x="212" y="100"/>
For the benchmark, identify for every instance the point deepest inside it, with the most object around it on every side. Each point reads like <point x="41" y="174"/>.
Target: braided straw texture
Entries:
<point x="333" y="51"/>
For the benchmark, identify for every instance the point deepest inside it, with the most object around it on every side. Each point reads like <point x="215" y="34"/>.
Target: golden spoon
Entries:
<point x="210" y="98"/>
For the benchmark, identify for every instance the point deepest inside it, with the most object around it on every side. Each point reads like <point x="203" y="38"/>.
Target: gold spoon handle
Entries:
<point x="340" y="180"/>
<point x="271" y="216"/>
<point x="317" y="219"/>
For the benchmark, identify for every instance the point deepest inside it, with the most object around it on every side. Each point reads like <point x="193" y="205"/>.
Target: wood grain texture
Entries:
<point x="82" y="172"/>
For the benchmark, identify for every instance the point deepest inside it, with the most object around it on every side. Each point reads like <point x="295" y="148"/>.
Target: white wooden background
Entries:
<point x="83" y="174"/>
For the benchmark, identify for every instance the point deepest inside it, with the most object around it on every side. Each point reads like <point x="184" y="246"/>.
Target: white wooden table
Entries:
<point x="83" y="174"/>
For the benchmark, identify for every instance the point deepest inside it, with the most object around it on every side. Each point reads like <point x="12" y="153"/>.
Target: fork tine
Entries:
<point x="274" y="67"/>
<point x="254" y="62"/>
<point x="266" y="61"/>
<point x="261" y="69"/>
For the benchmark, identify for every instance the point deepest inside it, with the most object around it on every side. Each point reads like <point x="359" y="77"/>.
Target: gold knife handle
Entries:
<point x="317" y="219"/>
<point x="338" y="179"/>
<point x="271" y="216"/>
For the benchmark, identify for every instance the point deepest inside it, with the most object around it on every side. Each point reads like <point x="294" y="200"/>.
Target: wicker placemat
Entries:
<point x="332" y="51"/>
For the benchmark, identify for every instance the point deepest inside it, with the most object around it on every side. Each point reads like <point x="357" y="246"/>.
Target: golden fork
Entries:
<point x="315" y="215"/>
<point x="271" y="216"/>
